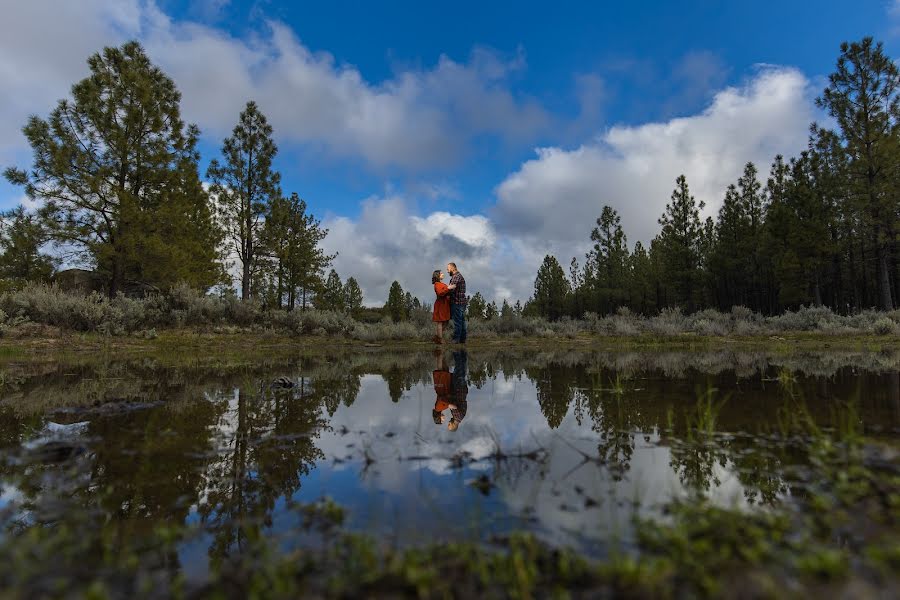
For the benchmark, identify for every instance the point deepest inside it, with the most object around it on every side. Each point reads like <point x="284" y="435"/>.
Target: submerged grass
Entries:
<point x="837" y="533"/>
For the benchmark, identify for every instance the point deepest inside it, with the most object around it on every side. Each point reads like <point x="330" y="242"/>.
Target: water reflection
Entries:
<point x="567" y="445"/>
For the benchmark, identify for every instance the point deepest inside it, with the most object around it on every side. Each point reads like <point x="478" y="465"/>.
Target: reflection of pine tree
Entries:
<point x="139" y="453"/>
<point x="758" y="470"/>
<point x="615" y="422"/>
<point x="396" y="384"/>
<point x="554" y="391"/>
<point x="334" y="391"/>
<point x="695" y="463"/>
<point x="269" y="441"/>
<point x="616" y="445"/>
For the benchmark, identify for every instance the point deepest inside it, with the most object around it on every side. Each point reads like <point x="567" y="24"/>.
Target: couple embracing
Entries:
<point x="450" y="303"/>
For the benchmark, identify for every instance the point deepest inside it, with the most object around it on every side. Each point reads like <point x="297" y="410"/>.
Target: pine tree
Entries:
<point x="21" y="261"/>
<point x="289" y="241"/>
<point x="395" y="307"/>
<point x="829" y="160"/>
<point x="245" y="186"/>
<point x="577" y="281"/>
<point x="680" y="243"/>
<point x="116" y="169"/>
<point x="609" y="259"/>
<point x="332" y="295"/>
<point x="353" y="296"/>
<point x="517" y="308"/>
<point x="863" y="96"/>
<point x="753" y="207"/>
<point x="642" y="298"/>
<point x="409" y="304"/>
<point x="728" y="265"/>
<point x="773" y="234"/>
<point x="477" y="306"/>
<point x="551" y="289"/>
<point x="490" y="311"/>
<point x="506" y="311"/>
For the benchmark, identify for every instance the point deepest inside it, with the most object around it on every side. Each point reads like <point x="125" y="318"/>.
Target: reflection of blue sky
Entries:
<point x="412" y="490"/>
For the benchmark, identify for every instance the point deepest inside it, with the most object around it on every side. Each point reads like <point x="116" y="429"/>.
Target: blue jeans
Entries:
<point x="458" y="314"/>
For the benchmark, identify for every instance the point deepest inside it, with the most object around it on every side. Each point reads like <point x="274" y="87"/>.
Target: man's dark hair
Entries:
<point x="451" y="265"/>
<point x="436" y="416"/>
<point x="436" y="276"/>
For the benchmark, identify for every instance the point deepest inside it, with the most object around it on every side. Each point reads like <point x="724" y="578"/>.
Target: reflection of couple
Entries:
<point x="450" y="303"/>
<point x="450" y="389"/>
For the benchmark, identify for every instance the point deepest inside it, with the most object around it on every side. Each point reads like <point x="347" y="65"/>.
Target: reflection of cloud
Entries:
<point x="478" y="448"/>
<point x="507" y="409"/>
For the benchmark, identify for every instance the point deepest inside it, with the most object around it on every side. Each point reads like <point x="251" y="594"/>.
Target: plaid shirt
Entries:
<point x="458" y="295"/>
<point x="459" y="392"/>
<point x="459" y="413"/>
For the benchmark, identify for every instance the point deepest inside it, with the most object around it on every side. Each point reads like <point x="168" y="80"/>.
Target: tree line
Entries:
<point x="116" y="174"/>
<point x="821" y="229"/>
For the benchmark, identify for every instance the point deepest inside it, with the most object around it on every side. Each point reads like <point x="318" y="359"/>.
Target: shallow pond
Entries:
<point x="420" y="447"/>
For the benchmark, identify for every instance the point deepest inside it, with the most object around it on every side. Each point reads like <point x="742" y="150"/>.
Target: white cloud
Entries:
<point x="44" y="47"/>
<point x="417" y="119"/>
<point x="387" y="242"/>
<point x="553" y="200"/>
<point x="550" y="203"/>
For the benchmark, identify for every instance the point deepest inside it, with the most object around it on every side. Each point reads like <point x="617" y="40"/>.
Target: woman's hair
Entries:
<point x="436" y="276"/>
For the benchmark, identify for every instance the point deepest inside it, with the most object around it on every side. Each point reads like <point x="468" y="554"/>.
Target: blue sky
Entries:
<point x="487" y="132"/>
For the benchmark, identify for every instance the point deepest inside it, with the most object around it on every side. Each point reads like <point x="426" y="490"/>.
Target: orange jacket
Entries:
<point x="441" y="311"/>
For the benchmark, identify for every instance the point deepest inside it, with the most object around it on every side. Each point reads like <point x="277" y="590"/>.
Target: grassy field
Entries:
<point x="47" y="341"/>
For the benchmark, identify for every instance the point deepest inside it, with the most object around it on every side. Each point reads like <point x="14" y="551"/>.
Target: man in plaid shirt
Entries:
<point x="458" y="302"/>
<point x="459" y="390"/>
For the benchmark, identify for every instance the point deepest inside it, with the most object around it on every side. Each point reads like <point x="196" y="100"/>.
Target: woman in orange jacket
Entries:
<point x="441" y="313"/>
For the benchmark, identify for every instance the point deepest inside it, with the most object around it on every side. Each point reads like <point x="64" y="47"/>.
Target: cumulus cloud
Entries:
<point x="43" y="50"/>
<point x="417" y="119"/>
<point x="555" y="198"/>
<point x="388" y="242"/>
<point x="550" y="203"/>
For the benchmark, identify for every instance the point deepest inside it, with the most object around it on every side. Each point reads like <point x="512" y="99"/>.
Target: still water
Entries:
<point x="419" y="447"/>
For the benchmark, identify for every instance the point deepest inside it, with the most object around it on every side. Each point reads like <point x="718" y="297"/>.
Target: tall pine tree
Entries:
<point x="245" y="185"/>
<point x="353" y="296"/>
<point x="680" y="244"/>
<point x="609" y="259"/>
<point x="116" y="170"/>
<point x="863" y="96"/>
<point x="551" y="289"/>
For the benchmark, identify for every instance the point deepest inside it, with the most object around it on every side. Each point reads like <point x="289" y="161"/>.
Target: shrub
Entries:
<point x="742" y="313"/>
<point x="182" y="306"/>
<point x="885" y="326"/>
<point x="669" y="322"/>
<point x="622" y="325"/>
<point x="807" y="318"/>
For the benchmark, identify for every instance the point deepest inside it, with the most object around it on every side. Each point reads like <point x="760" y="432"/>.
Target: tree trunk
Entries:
<point x="245" y="280"/>
<point x="864" y="271"/>
<point x="884" y="279"/>
<point x="837" y="299"/>
<point x="854" y="284"/>
<point x="817" y="290"/>
<point x="280" y="284"/>
<point x="117" y="281"/>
